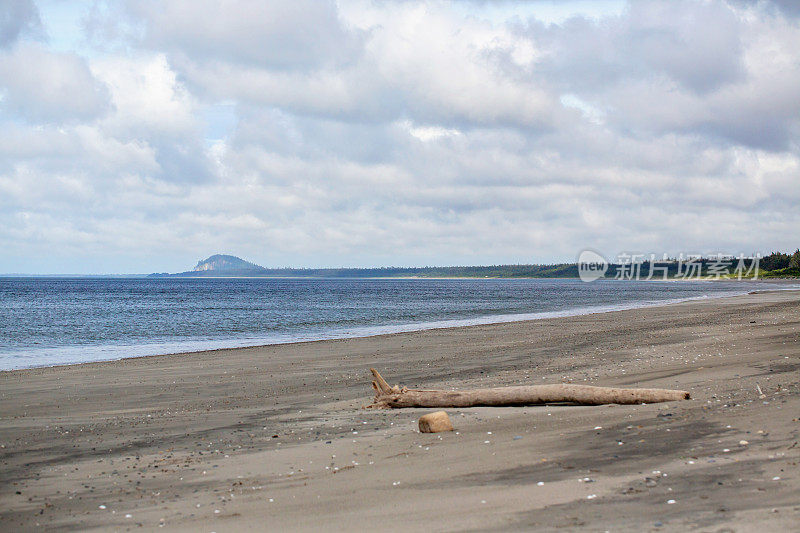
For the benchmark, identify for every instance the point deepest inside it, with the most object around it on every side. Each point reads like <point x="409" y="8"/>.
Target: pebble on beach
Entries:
<point x="435" y="422"/>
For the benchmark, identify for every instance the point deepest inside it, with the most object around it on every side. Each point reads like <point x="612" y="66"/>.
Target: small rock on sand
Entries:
<point x="435" y="422"/>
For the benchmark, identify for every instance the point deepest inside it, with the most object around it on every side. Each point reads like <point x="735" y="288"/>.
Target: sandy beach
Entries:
<point x="275" y="438"/>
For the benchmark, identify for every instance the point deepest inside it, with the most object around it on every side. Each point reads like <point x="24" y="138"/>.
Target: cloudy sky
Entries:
<point x="142" y="136"/>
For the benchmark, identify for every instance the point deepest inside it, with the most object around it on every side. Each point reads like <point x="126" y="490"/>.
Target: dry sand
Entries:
<point x="274" y="438"/>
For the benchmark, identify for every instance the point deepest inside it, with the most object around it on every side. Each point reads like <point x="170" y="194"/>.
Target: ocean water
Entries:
<point x="47" y="322"/>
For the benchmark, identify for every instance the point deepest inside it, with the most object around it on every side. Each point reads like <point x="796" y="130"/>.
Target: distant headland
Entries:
<point x="776" y="264"/>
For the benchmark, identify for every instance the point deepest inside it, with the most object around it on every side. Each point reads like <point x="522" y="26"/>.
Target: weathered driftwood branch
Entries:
<point x="387" y="396"/>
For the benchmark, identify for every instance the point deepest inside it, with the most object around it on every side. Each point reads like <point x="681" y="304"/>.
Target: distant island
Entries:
<point x="228" y="265"/>
<point x="774" y="265"/>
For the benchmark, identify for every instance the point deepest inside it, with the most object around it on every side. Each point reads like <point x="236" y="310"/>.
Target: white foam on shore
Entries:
<point x="70" y="355"/>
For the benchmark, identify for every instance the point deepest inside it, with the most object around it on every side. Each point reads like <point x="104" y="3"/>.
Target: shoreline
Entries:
<point x="378" y="331"/>
<point x="274" y="437"/>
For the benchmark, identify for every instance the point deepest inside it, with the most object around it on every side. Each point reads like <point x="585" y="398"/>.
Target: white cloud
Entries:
<point x="286" y="35"/>
<point x="44" y="86"/>
<point x="405" y="60"/>
<point x="148" y="99"/>
<point x="430" y="133"/>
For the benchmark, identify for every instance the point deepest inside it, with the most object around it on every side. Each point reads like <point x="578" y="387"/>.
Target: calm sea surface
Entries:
<point x="59" y="321"/>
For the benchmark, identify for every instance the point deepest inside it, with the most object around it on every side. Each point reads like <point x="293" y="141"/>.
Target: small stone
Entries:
<point x="435" y="422"/>
<point x="743" y="443"/>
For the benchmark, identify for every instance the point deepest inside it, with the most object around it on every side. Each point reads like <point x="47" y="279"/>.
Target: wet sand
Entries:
<point x="274" y="438"/>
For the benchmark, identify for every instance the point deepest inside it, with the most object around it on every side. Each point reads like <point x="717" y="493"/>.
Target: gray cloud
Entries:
<point x="696" y="46"/>
<point x="17" y="18"/>
<point x="680" y="67"/>
<point x="785" y="7"/>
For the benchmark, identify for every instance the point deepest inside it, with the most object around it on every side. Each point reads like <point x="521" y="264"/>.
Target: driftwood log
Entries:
<point x="388" y="397"/>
